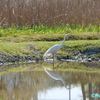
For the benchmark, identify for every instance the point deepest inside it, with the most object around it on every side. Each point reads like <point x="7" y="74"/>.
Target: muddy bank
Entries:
<point x="90" y="54"/>
<point x="6" y="59"/>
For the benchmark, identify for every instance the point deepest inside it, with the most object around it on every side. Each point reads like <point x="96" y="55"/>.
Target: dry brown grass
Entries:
<point x="49" y="12"/>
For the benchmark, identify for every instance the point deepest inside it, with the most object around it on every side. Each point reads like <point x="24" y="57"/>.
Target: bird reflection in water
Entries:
<point x="55" y="76"/>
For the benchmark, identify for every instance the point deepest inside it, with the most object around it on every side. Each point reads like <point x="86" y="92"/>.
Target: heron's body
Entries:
<point x="55" y="48"/>
<point x="52" y="50"/>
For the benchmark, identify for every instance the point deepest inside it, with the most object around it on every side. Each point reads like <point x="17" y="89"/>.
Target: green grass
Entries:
<point x="25" y="48"/>
<point x="42" y="32"/>
<point x="72" y="66"/>
<point x="13" y="48"/>
<point x="18" y="69"/>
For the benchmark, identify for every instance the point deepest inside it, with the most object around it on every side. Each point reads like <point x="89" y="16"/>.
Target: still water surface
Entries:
<point x="37" y="85"/>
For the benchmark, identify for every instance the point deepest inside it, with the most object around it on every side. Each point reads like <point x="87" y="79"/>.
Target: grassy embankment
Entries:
<point x="25" y="48"/>
<point x="23" y="40"/>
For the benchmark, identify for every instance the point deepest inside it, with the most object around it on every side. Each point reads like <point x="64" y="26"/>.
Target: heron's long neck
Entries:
<point x="63" y="41"/>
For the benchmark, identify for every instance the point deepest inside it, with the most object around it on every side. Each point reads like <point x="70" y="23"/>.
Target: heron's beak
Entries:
<point x="72" y="36"/>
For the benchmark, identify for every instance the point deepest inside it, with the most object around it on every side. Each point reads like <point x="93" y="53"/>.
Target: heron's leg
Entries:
<point x="53" y="60"/>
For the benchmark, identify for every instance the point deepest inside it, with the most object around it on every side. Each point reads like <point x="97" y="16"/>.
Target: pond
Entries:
<point x="38" y="85"/>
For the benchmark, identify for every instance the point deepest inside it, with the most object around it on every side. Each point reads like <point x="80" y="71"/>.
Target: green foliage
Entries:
<point x="80" y="32"/>
<point x="0" y="34"/>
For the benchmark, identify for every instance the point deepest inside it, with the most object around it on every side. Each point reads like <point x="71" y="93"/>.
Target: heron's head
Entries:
<point x="68" y="34"/>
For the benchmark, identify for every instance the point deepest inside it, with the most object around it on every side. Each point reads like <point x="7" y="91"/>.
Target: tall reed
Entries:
<point x="48" y="12"/>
